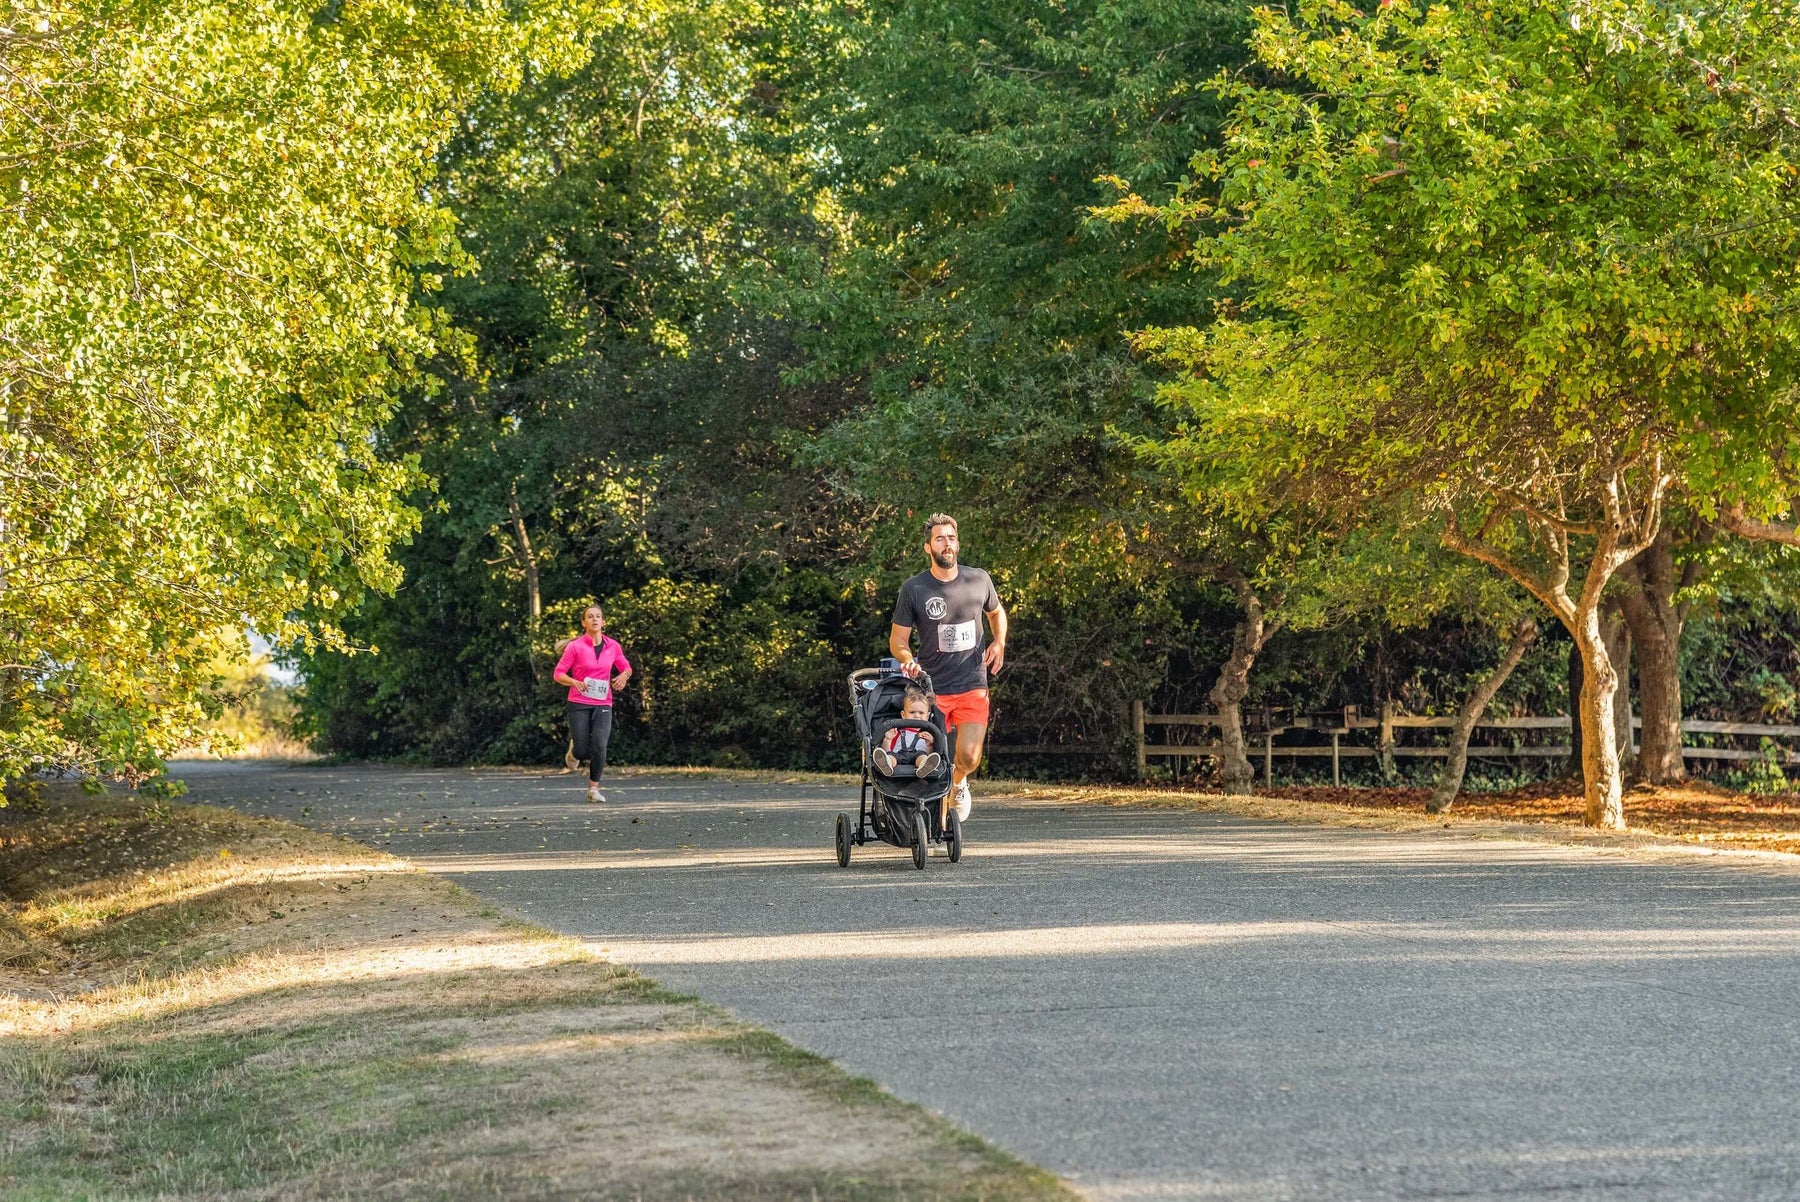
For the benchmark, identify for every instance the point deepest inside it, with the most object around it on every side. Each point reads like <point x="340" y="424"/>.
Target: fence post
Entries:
<point x="1334" y="758"/>
<point x="1268" y="759"/>
<point x="1137" y="735"/>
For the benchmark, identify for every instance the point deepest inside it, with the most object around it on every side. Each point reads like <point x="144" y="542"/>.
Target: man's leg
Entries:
<point x="967" y="715"/>
<point x="949" y="799"/>
<point x="969" y="738"/>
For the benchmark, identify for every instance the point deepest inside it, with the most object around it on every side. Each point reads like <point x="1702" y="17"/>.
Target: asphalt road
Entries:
<point x="1173" y="1005"/>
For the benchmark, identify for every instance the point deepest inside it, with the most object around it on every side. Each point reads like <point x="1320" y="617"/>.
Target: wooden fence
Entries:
<point x="1260" y="736"/>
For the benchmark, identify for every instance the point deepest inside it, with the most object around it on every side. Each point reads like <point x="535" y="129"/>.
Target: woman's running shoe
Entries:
<point x="594" y="794"/>
<point x="884" y="761"/>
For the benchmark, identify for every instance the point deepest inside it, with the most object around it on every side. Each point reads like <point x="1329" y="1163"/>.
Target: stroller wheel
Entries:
<point x="954" y="836"/>
<point x="921" y="841"/>
<point x="843" y="840"/>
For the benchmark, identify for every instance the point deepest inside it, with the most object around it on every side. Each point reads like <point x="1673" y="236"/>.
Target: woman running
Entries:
<point x="587" y="666"/>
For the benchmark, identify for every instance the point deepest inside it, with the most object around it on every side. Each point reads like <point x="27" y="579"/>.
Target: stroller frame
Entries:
<point x="908" y="816"/>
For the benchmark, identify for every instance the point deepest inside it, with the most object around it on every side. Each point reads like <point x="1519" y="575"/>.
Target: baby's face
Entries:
<point x="915" y="709"/>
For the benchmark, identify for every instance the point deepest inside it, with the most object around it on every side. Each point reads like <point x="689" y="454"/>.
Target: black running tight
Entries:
<point x="591" y="727"/>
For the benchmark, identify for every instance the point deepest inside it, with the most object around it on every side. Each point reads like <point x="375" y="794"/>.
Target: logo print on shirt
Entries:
<point x="935" y="609"/>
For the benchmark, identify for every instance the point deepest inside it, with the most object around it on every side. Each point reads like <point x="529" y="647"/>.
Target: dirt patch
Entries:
<point x="196" y="1003"/>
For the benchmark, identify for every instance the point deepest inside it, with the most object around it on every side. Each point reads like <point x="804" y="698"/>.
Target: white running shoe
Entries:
<point x="594" y="793"/>
<point x="963" y="801"/>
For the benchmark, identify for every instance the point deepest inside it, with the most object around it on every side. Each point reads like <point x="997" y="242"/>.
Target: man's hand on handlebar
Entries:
<point x="910" y="669"/>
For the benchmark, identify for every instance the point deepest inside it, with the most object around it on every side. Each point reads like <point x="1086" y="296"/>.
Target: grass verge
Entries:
<point x="200" y="1004"/>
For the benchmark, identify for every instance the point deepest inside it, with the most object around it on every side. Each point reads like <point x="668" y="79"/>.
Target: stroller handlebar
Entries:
<point x="923" y="679"/>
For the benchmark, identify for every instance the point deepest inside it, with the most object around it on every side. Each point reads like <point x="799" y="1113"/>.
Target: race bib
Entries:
<point x="956" y="636"/>
<point x="596" y="688"/>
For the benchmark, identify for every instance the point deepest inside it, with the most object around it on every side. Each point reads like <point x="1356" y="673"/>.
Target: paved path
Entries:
<point x="1165" y="1005"/>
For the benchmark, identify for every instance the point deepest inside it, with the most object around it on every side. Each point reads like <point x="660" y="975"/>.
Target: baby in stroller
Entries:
<point x="909" y="744"/>
<point x="906" y="755"/>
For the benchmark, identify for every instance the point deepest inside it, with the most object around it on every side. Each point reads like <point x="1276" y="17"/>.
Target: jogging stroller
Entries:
<point x="902" y="809"/>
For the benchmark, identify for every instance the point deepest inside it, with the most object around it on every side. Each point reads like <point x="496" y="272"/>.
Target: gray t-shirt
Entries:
<point x="948" y="618"/>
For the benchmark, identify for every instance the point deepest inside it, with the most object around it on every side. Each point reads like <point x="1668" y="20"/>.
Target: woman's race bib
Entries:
<point x="596" y="688"/>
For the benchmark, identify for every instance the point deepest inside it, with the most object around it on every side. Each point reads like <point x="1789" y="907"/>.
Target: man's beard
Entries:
<point x="944" y="559"/>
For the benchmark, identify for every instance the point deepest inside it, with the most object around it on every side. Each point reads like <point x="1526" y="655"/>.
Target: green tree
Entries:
<point x="962" y="146"/>
<point x="1531" y="268"/>
<point x="214" y="230"/>
<point x="970" y="294"/>
<point x="613" y="422"/>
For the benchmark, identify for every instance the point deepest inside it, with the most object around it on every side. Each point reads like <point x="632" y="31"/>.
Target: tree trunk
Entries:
<point x="1618" y="650"/>
<point x="1600" y="768"/>
<point x="1659" y="759"/>
<point x="1575" y="675"/>
<point x="1387" y="739"/>
<point x="1252" y="632"/>
<point x="1656" y="621"/>
<point x="1235" y="770"/>
<point x="1628" y="521"/>
<point x="534" y="598"/>
<point x="1449" y="782"/>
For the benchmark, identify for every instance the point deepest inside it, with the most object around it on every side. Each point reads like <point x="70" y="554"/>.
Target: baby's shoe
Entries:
<point x="928" y="764"/>
<point x="884" y="761"/>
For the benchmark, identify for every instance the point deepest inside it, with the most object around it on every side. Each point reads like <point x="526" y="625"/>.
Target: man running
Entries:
<point x="945" y="604"/>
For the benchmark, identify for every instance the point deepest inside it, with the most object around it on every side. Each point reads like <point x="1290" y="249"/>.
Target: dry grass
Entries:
<point x="273" y="745"/>
<point x="1694" y="812"/>
<point x="196" y="1003"/>
<point x="1661" y="819"/>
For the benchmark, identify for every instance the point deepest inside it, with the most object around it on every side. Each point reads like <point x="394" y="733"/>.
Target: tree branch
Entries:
<point x="1740" y="523"/>
<point x="1556" y="597"/>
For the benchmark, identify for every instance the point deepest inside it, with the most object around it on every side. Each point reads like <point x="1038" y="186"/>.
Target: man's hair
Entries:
<point x="936" y="520"/>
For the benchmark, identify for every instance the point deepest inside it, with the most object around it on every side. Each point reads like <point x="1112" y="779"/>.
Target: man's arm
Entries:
<point x="994" y="658"/>
<point x="900" y="644"/>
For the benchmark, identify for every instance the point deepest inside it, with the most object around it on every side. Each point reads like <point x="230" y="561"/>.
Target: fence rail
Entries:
<point x="1049" y="749"/>
<point x="1337" y="751"/>
<point x="1340" y="723"/>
